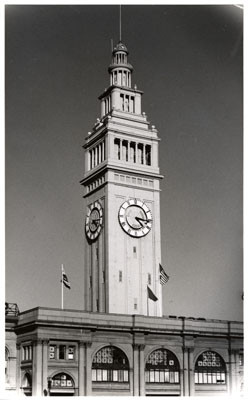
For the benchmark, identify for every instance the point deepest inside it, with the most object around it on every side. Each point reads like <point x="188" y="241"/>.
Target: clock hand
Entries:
<point x="142" y="220"/>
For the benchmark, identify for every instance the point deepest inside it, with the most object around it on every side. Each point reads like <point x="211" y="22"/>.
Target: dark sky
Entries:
<point x="188" y="61"/>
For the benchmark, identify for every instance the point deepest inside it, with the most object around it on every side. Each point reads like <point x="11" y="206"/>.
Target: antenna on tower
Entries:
<point x="120" y="22"/>
<point x="112" y="45"/>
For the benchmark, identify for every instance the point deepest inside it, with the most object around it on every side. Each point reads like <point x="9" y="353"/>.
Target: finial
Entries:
<point x="120" y="22"/>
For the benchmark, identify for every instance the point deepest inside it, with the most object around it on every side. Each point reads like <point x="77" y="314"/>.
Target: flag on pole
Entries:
<point x="65" y="279"/>
<point x="151" y="295"/>
<point x="163" y="276"/>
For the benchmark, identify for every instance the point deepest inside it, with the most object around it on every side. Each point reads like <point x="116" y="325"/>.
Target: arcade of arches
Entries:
<point x="110" y="371"/>
<point x="78" y="353"/>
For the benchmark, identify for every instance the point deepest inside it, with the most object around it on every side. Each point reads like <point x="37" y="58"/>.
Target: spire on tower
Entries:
<point x="120" y="22"/>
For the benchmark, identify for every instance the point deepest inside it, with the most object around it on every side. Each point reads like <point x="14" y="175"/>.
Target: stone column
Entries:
<point x="185" y="373"/>
<point x="37" y="368"/>
<point x="233" y="372"/>
<point x="88" y="362"/>
<point x="191" y="371"/>
<point x="18" y="368"/>
<point x="81" y="369"/>
<point x="181" y="383"/>
<point x="136" y="370"/>
<point x="141" y="370"/>
<point x="44" y="364"/>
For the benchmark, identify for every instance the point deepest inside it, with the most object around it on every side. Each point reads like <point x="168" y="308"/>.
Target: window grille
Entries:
<point x="210" y="369"/>
<point x="110" y="364"/>
<point x="62" y="381"/>
<point x="162" y="366"/>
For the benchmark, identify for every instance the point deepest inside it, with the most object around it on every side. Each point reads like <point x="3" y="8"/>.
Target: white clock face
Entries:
<point x="135" y="218"/>
<point x="94" y="220"/>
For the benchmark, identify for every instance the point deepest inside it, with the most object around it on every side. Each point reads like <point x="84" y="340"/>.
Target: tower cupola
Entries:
<point x="120" y="70"/>
<point x="120" y="96"/>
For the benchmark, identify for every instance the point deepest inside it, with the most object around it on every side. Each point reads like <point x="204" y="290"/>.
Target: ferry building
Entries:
<point x="121" y="344"/>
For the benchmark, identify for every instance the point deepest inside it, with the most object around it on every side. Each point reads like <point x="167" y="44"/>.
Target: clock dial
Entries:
<point x="94" y="220"/>
<point x="135" y="218"/>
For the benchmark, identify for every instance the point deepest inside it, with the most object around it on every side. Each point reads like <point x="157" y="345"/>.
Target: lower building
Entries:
<point x="69" y="352"/>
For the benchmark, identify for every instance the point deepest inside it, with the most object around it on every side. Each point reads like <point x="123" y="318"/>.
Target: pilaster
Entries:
<point x="81" y="368"/>
<point x="18" y="368"/>
<point x="44" y="364"/>
<point x="191" y="371"/>
<point x="88" y="363"/>
<point x="37" y="368"/>
<point x="185" y="372"/>
<point x="141" y="370"/>
<point x="136" y="370"/>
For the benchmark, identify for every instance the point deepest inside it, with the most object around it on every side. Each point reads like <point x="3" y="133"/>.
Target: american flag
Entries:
<point x="163" y="276"/>
<point x="65" y="279"/>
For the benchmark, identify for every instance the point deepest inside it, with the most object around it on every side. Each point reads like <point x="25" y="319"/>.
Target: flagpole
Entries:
<point x="62" y="289"/>
<point x="147" y="302"/>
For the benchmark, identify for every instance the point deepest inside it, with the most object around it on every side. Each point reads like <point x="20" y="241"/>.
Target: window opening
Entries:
<point x="61" y="352"/>
<point x="210" y="369"/>
<point x="148" y="154"/>
<point x="117" y="149"/>
<point x="162" y="366"/>
<point x="110" y="364"/>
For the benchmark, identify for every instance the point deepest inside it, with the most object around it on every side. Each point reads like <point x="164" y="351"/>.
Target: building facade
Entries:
<point x="121" y="344"/>
<point x="67" y="352"/>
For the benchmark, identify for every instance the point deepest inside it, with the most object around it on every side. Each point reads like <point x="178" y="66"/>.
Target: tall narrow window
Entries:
<point x="135" y="252"/>
<point x="149" y="279"/>
<point x="120" y="276"/>
<point x="90" y="155"/>
<point x="148" y="154"/>
<point x="132" y="152"/>
<point x="62" y="352"/>
<point x="125" y="150"/>
<point x="140" y="153"/>
<point x="131" y="104"/>
<point x="126" y="104"/>
<point x="117" y="149"/>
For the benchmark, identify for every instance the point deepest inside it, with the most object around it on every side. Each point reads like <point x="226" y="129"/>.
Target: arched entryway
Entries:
<point x="61" y="384"/>
<point x="162" y="373"/>
<point x="27" y="384"/>
<point x="210" y="374"/>
<point x="110" y="371"/>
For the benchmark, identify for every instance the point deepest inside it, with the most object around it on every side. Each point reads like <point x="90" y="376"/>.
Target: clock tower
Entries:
<point x="122" y="241"/>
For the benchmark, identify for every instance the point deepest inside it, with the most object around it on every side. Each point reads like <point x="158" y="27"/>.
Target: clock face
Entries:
<point x="135" y="218"/>
<point x="94" y="220"/>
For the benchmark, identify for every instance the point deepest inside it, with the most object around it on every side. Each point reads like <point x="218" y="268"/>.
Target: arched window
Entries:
<point x="62" y="381"/>
<point x="27" y="384"/>
<point x="162" y="366"/>
<point x="210" y="369"/>
<point x="110" y="364"/>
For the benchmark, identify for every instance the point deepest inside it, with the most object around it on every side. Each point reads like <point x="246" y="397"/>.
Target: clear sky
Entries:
<point x="188" y="62"/>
